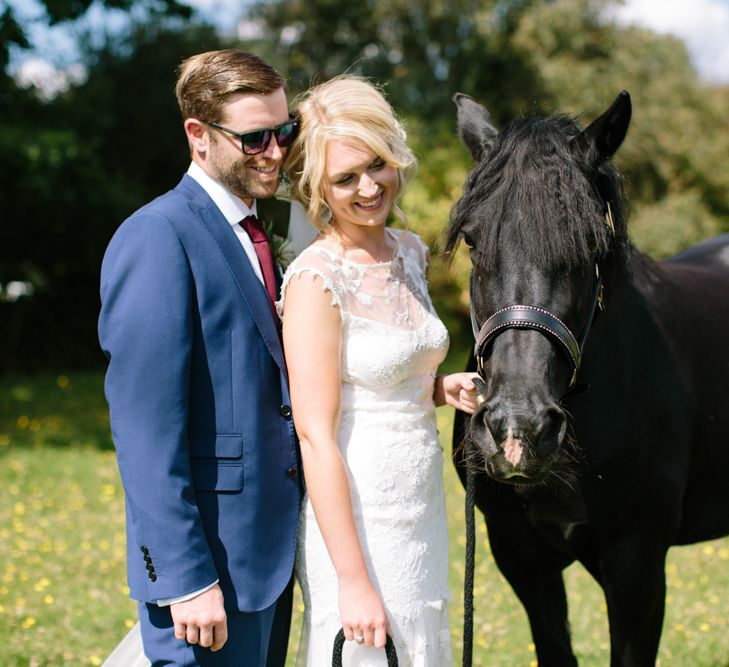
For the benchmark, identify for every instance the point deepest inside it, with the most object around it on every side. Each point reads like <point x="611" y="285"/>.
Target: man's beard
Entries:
<point x="237" y="178"/>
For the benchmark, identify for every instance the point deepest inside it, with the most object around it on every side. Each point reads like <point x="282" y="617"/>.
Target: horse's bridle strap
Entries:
<point x="529" y="317"/>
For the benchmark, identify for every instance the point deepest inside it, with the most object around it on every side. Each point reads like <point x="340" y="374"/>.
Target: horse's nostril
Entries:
<point x="551" y="430"/>
<point x="495" y="423"/>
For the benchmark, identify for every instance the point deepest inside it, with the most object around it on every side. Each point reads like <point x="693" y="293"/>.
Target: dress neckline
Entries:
<point x="388" y="262"/>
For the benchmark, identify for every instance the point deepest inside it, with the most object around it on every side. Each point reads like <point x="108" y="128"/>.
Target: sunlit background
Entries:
<point x="54" y="61"/>
<point x="90" y="132"/>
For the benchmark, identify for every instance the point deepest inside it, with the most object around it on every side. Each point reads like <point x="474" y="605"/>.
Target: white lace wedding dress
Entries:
<point x="392" y="344"/>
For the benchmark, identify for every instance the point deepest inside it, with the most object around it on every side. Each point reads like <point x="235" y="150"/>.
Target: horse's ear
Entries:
<point x="474" y="126"/>
<point x="607" y="132"/>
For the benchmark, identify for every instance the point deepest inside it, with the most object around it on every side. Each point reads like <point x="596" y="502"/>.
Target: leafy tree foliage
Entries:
<point x="521" y="57"/>
<point x="676" y="154"/>
<point x="76" y="165"/>
<point x="58" y="11"/>
<point x="423" y="51"/>
<point x="73" y="169"/>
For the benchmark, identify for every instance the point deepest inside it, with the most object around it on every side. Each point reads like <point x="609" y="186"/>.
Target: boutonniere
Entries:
<point x="283" y="253"/>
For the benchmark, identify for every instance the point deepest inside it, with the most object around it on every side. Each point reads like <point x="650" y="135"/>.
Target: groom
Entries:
<point x="196" y="383"/>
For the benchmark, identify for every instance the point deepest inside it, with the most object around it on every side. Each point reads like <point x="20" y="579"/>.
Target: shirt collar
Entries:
<point x="233" y="208"/>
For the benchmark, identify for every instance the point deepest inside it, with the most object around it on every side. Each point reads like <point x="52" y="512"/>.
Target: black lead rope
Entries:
<point x="469" y="574"/>
<point x="339" y="646"/>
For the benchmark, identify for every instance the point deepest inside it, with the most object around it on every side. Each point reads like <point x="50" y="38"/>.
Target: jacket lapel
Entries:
<point x="254" y="293"/>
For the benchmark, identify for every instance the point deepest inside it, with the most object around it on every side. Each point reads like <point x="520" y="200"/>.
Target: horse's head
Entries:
<point x="542" y="216"/>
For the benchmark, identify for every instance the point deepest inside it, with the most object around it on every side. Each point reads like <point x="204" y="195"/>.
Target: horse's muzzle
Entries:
<point x="517" y="446"/>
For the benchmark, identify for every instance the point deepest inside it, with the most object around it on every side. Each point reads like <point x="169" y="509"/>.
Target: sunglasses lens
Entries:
<point x="286" y="134"/>
<point x="256" y="142"/>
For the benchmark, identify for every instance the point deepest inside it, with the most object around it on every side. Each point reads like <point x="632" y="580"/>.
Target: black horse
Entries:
<point x="610" y="477"/>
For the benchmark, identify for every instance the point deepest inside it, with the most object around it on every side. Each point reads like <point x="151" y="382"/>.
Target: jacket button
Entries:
<point x="285" y="411"/>
<point x="150" y="567"/>
<point x="145" y="551"/>
<point x="292" y="472"/>
<point x="152" y="576"/>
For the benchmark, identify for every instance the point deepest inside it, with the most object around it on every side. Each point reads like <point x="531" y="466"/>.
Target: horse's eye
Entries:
<point x="467" y="240"/>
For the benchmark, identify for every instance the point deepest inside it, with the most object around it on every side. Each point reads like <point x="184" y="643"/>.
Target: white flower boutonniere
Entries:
<point x="283" y="253"/>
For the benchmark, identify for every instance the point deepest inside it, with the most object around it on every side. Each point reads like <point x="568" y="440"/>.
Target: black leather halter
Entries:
<point x="520" y="316"/>
<point x="539" y="319"/>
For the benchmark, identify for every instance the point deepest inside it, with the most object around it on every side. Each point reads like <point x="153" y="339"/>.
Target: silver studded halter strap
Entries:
<point x="519" y="316"/>
<point x="528" y="317"/>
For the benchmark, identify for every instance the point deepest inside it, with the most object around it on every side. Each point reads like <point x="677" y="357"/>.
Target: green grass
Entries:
<point x="63" y="594"/>
<point x="63" y="597"/>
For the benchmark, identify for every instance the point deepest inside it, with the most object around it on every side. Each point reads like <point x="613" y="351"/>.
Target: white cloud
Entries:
<point x="48" y="79"/>
<point x="702" y="24"/>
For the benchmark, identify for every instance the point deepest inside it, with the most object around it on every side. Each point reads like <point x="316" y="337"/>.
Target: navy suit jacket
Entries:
<point x="199" y="406"/>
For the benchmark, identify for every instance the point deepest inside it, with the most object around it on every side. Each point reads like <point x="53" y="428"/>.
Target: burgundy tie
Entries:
<point x="260" y="242"/>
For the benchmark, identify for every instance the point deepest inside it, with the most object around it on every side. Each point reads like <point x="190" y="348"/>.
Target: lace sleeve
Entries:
<point x="313" y="263"/>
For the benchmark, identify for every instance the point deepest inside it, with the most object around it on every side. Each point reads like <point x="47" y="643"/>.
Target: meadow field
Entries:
<point x="63" y="597"/>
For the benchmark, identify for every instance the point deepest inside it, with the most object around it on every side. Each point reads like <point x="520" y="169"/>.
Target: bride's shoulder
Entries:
<point x="320" y="260"/>
<point x="315" y="265"/>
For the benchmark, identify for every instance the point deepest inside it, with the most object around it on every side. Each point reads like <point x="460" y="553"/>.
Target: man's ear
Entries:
<point x="197" y="135"/>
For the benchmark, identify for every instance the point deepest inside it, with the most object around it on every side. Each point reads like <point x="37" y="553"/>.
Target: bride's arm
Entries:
<point x="312" y="340"/>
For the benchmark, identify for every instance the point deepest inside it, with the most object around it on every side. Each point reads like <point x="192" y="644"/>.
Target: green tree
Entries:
<point x="58" y="11"/>
<point x="74" y="168"/>
<point x="76" y="165"/>
<point x="423" y="51"/>
<point x="520" y="57"/>
<point x="676" y="155"/>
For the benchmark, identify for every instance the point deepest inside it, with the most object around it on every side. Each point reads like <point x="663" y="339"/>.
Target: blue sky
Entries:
<point x="702" y="24"/>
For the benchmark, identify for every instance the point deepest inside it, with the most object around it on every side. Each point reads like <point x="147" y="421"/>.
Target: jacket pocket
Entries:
<point x="216" y="462"/>
<point x="211" y="475"/>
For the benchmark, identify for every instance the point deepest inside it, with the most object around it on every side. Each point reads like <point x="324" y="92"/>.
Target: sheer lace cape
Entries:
<point x="392" y="292"/>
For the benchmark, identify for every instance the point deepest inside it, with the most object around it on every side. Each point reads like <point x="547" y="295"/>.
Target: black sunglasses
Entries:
<point x="257" y="141"/>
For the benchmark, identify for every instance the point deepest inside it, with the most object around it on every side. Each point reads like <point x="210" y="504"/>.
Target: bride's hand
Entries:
<point x="362" y="613"/>
<point x="456" y="390"/>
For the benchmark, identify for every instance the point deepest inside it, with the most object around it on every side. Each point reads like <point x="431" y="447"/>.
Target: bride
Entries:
<point x="362" y="344"/>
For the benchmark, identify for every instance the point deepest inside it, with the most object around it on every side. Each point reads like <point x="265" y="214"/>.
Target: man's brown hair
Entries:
<point x="206" y="81"/>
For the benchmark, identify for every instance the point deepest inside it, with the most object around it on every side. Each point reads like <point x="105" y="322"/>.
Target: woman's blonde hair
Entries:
<point x="346" y="107"/>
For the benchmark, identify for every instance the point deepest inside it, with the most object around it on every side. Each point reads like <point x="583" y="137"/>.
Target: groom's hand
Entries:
<point x="202" y="620"/>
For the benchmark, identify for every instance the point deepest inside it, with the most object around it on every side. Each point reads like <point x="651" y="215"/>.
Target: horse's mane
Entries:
<point x="530" y="192"/>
